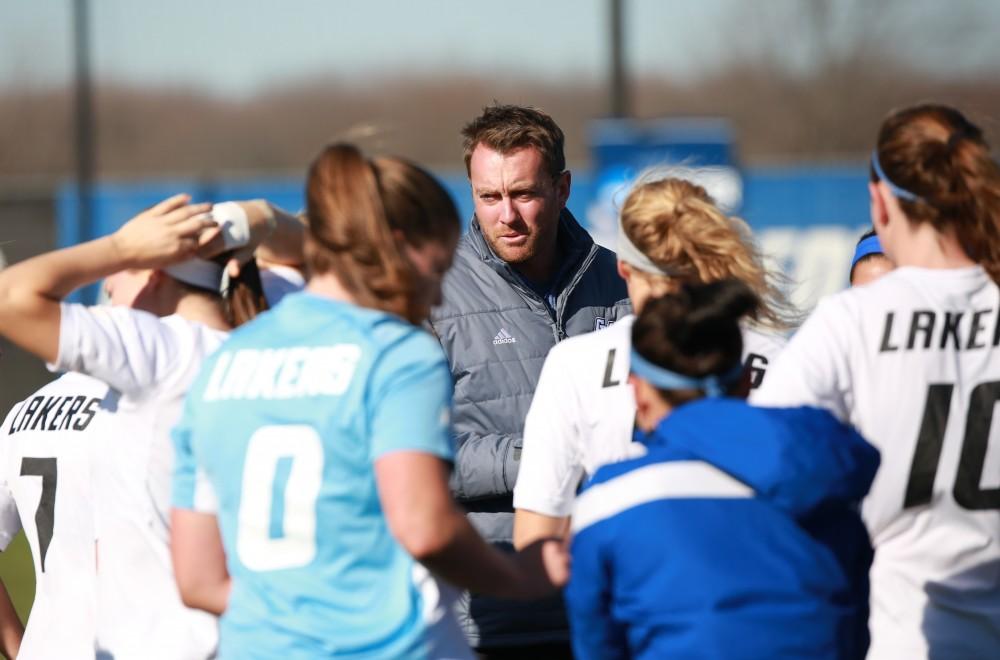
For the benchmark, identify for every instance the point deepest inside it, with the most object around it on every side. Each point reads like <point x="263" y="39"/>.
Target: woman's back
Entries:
<point x="582" y="414"/>
<point x="913" y="361"/>
<point x="45" y="471"/>
<point x="285" y="423"/>
<point x="149" y="363"/>
<point x="731" y="538"/>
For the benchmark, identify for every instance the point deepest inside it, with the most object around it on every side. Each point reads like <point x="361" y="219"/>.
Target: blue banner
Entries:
<point x="807" y="219"/>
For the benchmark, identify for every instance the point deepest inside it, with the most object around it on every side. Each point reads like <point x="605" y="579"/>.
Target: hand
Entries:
<point x="261" y="220"/>
<point x="543" y="567"/>
<point x="556" y="558"/>
<point x="165" y="234"/>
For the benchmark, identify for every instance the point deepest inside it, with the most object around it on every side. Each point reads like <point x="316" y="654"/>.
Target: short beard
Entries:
<point x="519" y="256"/>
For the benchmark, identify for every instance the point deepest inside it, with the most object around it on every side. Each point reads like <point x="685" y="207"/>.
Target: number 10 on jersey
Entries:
<point x="967" y="491"/>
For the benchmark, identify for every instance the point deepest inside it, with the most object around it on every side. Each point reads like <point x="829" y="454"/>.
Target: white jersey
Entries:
<point x="278" y="281"/>
<point x="150" y="362"/>
<point x="46" y="476"/>
<point x="913" y="362"/>
<point x="583" y="413"/>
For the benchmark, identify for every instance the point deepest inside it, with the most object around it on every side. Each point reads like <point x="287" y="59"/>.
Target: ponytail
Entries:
<point x="349" y="235"/>
<point x="241" y="300"/>
<point x="941" y="157"/>
<point x="355" y="209"/>
<point x="695" y="332"/>
<point x="676" y="224"/>
<point x="244" y="297"/>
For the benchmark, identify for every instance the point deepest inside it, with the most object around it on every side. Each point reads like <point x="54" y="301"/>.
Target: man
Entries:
<point x="526" y="275"/>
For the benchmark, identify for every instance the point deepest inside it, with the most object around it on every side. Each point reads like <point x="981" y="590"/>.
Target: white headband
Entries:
<point x="235" y="225"/>
<point x="197" y="272"/>
<point x="633" y="256"/>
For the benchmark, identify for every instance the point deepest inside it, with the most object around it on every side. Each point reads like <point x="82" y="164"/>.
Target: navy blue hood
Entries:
<point x="796" y="458"/>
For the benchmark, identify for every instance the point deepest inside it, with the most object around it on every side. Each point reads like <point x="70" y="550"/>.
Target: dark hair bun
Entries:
<point x="695" y="331"/>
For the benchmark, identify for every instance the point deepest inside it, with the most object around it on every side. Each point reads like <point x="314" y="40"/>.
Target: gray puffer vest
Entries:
<point x="496" y="332"/>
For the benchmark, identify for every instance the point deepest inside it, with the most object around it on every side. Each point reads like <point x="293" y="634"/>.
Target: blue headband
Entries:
<point x="901" y="193"/>
<point x="665" y="379"/>
<point x="868" y="246"/>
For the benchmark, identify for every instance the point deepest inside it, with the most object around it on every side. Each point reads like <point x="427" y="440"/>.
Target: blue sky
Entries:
<point x="238" y="47"/>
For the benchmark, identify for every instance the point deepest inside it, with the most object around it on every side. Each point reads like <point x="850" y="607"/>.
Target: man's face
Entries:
<point x="518" y="203"/>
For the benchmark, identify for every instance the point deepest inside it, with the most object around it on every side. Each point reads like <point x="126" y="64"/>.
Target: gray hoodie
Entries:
<point x="496" y="331"/>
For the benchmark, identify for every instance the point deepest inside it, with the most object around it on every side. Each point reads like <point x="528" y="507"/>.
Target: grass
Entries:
<point x="18" y="574"/>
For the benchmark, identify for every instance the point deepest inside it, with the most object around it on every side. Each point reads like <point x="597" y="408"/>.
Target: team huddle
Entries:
<point x="361" y="432"/>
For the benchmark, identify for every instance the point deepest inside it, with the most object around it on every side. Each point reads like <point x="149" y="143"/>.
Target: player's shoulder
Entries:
<point x="842" y="308"/>
<point x="69" y="384"/>
<point x="278" y="281"/>
<point x="397" y="344"/>
<point x="139" y="326"/>
<point x="70" y="390"/>
<point x="73" y="383"/>
<point x="305" y="320"/>
<point x="763" y="341"/>
<point x="306" y="317"/>
<point x="299" y="318"/>
<point x="119" y="316"/>
<point x="898" y="281"/>
<point x="907" y="284"/>
<point x="190" y="329"/>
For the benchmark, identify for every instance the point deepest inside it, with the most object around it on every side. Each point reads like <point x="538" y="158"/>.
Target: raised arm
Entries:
<point x="285" y="245"/>
<point x="30" y="291"/>
<point x="276" y="237"/>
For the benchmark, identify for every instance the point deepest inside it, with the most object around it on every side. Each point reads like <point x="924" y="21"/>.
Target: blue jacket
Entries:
<point x="738" y="535"/>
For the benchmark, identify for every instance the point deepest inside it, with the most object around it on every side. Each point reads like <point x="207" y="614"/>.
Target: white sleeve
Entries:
<point x="130" y="350"/>
<point x="10" y="522"/>
<point x="813" y="369"/>
<point x="551" y="467"/>
<point x="205" y="499"/>
<point x="279" y="281"/>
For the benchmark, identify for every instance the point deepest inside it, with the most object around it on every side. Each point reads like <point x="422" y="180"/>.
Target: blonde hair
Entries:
<point x="677" y="225"/>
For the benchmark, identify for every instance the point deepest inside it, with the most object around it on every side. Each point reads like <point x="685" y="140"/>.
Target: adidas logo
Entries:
<point x="503" y="337"/>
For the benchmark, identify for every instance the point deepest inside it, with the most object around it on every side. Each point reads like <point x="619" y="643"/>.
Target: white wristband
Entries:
<point x="235" y="225"/>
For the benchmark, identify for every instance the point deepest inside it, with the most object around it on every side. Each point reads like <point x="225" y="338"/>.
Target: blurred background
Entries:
<point x="106" y="107"/>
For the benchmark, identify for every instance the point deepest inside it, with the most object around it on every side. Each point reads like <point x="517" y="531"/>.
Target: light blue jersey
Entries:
<point x="279" y="437"/>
